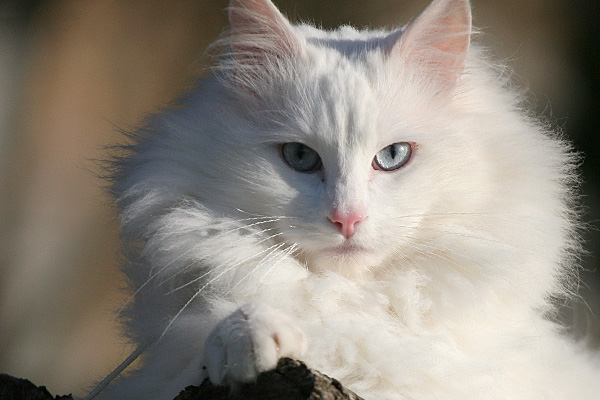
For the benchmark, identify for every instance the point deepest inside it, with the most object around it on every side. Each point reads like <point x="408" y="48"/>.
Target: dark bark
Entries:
<point x="290" y="380"/>
<point x="12" y="388"/>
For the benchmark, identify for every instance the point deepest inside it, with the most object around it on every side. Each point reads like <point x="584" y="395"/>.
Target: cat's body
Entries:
<point x="432" y="280"/>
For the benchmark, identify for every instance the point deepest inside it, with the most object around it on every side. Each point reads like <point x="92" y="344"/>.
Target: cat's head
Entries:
<point x="338" y="126"/>
<point x="355" y="147"/>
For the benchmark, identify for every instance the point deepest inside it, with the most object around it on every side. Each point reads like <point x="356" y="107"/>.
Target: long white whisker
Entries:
<point x="180" y="256"/>
<point x="460" y="234"/>
<point x="478" y="216"/>
<point x="259" y="264"/>
<point x="424" y="244"/>
<point x="201" y="289"/>
<point x="142" y="286"/>
<point x="196" y="262"/>
<point x="259" y="216"/>
<point x="223" y="264"/>
<point x="459" y="213"/>
<point x="286" y="254"/>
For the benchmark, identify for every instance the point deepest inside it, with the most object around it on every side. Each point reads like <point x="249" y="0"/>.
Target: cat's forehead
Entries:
<point x="341" y="97"/>
<point x="337" y="100"/>
<point x="342" y="110"/>
<point x="347" y="40"/>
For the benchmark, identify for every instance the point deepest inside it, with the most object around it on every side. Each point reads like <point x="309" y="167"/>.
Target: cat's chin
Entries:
<point x="348" y="259"/>
<point x="347" y="251"/>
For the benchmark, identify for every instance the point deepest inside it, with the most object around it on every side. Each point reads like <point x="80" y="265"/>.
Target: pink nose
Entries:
<point x="346" y="222"/>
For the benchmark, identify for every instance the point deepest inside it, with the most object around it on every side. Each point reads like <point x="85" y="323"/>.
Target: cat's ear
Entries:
<point x="260" y="33"/>
<point x="437" y="40"/>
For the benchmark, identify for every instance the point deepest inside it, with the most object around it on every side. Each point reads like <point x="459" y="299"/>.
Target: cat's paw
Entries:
<point x="249" y="341"/>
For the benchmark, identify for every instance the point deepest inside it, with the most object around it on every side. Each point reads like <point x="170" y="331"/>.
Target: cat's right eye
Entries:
<point x="393" y="157"/>
<point x="301" y="157"/>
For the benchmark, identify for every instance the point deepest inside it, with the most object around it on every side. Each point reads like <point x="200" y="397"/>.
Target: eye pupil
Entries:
<point x="301" y="157"/>
<point x="300" y="152"/>
<point x="393" y="156"/>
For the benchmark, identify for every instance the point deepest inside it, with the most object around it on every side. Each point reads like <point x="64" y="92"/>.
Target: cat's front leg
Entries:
<point x="249" y="341"/>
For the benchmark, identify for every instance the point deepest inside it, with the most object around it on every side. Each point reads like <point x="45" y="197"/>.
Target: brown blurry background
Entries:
<point x="72" y="72"/>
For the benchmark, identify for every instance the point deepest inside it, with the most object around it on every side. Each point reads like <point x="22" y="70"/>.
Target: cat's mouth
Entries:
<point x="348" y="259"/>
<point x="347" y="250"/>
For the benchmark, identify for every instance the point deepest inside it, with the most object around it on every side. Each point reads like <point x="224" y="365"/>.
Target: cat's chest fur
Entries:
<point x="392" y="337"/>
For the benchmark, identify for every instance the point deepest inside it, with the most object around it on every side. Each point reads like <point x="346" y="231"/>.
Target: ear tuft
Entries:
<point x="438" y="40"/>
<point x="259" y="31"/>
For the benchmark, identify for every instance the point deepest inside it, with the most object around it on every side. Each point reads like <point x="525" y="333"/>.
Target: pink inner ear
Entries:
<point x="438" y="39"/>
<point x="456" y="37"/>
<point x="259" y="30"/>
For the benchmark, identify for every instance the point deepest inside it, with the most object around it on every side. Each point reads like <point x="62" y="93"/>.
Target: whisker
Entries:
<point x="429" y="250"/>
<point x="147" y="282"/>
<point x="258" y="265"/>
<point x="259" y="216"/>
<point x="196" y="262"/>
<point x="496" y="216"/>
<point x="185" y="253"/>
<point x="444" y="214"/>
<point x="459" y="234"/>
<point x="286" y="254"/>
<point x="224" y="264"/>
<point x="201" y="289"/>
<point x="425" y="244"/>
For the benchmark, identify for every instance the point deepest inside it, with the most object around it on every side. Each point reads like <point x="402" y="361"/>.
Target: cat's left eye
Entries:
<point x="301" y="157"/>
<point x="393" y="156"/>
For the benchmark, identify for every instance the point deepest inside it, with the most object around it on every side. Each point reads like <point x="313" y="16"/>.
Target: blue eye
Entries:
<point x="300" y="157"/>
<point x="393" y="156"/>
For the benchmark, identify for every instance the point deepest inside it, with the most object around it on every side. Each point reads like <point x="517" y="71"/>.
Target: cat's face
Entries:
<point x="341" y="153"/>
<point x="327" y="177"/>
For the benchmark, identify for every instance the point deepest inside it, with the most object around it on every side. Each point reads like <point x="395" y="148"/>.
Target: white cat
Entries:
<point x="374" y="203"/>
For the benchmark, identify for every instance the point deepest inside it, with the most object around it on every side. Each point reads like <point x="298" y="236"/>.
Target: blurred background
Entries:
<point x="72" y="73"/>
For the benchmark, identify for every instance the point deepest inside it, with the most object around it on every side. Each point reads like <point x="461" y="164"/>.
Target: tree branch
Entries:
<point x="290" y="380"/>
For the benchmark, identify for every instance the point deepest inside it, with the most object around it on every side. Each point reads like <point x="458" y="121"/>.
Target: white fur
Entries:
<point x="464" y="248"/>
